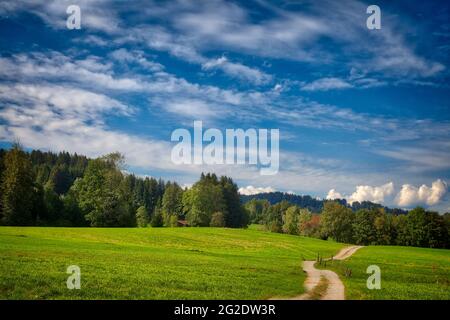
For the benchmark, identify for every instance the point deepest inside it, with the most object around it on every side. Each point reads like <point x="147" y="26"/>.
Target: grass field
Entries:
<point x="160" y="263"/>
<point x="406" y="273"/>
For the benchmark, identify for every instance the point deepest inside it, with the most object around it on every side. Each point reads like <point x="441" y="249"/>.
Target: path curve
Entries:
<point x="335" y="289"/>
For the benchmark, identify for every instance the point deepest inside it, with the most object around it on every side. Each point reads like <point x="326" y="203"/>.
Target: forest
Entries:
<point x="366" y="226"/>
<point x="316" y="205"/>
<point x="48" y="189"/>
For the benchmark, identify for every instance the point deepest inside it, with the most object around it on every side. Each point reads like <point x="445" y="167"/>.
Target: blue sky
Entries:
<point x="363" y="114"/>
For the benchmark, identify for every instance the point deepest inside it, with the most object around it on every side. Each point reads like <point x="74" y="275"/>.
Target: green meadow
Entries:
<point x="406" y="273"/>
<point x="201" y="263"/>
<point x="154" y="263"/>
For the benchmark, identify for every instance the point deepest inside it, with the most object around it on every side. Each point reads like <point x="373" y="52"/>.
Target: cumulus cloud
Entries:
<point x="374" y="194"/>
<point x="326" y="84"/>
<point x="333" y="194"/>
<point x="365" y="193"/>
<point x="410" y="195"/>
<point x="250" y="190"/>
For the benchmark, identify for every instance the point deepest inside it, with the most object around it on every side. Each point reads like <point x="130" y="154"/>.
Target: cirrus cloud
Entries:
<point x="326" y="84"/>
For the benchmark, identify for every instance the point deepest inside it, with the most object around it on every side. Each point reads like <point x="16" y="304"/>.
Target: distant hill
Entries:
<point x="315" y="205"/>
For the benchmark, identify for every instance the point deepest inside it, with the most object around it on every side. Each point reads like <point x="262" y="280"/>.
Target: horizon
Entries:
<point x="247" y="191"/>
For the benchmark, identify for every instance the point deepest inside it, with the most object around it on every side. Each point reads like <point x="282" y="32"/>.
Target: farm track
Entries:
<point x="335" y="289"/>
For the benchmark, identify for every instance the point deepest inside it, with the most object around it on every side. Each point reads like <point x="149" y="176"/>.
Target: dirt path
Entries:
<point x="335" y="289"/>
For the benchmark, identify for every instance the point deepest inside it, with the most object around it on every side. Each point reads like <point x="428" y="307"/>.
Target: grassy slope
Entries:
<point x="163" y="263"/>
<point x="406" y="273"/>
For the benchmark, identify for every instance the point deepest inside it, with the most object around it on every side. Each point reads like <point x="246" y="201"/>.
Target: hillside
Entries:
<point x="406" y="273"/>
<point x="154" y="263"/>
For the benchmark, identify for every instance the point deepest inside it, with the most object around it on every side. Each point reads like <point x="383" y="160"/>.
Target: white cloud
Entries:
<point x="373" y="194"/>
<point x="277" y="88"/>
<point x="95" y="15"/>
<point x="57" y="66"/>
<point x="366" y="83"/>
<point x="272" y="37"/>
<point x="365" y="193"/>
<point x="423" y="156"/>
<point x="92" y="40"/>
<point x="400" y="60"/>
<point x="137" y="57"/>
<point x="250" y="190"/>
<point x="59" y="118"/>
<point x="333" y="194"/>
<point x="294" y="35"/>
<point x="192" y="108"/>
<point x="91" y="74"/>
<point x="157" y="38"/>
<point x="237" y="70"/>
<point x="326" y="84"/>
<point x="73" y="102"/>
<point x="225" y="26"/>
<point x="410" y="195"/>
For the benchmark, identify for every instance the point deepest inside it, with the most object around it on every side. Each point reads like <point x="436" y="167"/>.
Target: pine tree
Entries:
<point x="235" y="214"/>
<point x="17" y="188"/>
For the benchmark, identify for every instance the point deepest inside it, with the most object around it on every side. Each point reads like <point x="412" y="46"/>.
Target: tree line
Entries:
<point x="374" y="226"/>
<point x="315" y="205"/>
<point x="49" y="189"/>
